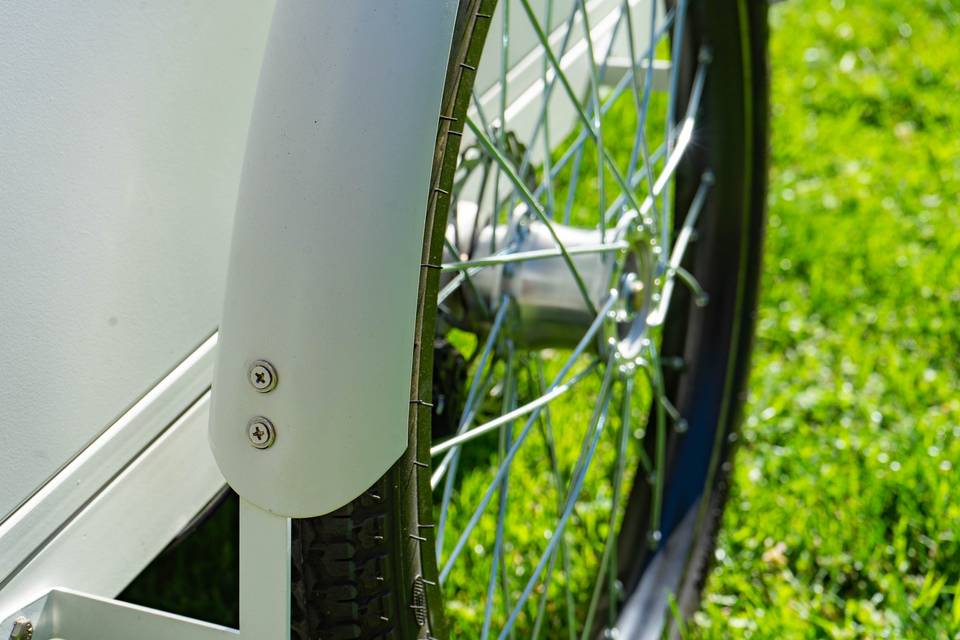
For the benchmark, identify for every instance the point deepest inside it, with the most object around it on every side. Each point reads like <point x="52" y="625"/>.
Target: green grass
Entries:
<point x="845" y="514"/>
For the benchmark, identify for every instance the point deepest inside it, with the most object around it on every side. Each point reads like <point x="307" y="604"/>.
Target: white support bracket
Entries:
<point x="62" y="614"/>
<point x="264" y="574"/>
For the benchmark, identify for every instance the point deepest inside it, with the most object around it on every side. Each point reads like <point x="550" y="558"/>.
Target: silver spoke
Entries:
<point x="534" y="206"/>
<point x="475" y="518"/>
<point x="472" y="401"/>
<point x="584" y="118"/>
<point x="597" y="118"/>
<point x="497" y="562"/>
<point x="679" y="29"/>
<point x="547" y="428"/>
<point x="607" y="560"/>
<point x="658" y="315"/>
<point x="535" y="405"/>
<point x="683" y="141"/>
<point x="539" y="254"/>
<point x="466" y="277"/>
<point x="631" y="236"/>
<point x="554" y="393"/>
<point x="591" y="441"/>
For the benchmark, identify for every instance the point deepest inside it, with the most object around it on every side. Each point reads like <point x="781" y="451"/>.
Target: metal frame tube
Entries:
<point x="264" y="574"/>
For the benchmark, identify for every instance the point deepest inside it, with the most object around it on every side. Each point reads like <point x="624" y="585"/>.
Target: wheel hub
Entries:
<point x="548" y="307"/>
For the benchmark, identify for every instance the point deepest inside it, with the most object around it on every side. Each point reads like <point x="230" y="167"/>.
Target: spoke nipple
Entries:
<point x="682" y="426"/>
<point x="654" y="538"/>
<point x="706" y="55"/>
<point x="702" y="299"/>
<point x="618" y="589"/>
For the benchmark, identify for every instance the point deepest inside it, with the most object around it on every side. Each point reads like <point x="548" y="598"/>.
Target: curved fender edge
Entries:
<point x="324" y="260"/>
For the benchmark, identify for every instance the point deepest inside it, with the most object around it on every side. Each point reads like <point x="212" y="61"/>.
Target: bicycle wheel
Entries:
<point x="591" y="295"/>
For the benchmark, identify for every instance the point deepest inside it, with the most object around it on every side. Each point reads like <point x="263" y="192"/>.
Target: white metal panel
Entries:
<point x="35" y="522"/>
<point x="108" y="542"/>
<point x="122" y="131"/>
<point x="325" y="257"/>
<point x="64" y="614"/>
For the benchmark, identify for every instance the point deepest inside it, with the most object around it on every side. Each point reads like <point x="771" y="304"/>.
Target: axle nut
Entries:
<point x="22" y="629"/>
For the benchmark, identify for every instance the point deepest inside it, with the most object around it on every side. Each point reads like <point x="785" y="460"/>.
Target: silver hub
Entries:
<point x="548" y="307"/>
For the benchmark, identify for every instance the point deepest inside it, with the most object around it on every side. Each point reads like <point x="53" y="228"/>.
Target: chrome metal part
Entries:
<point x="22" y="629"/>
<point x="521" y="261"/>
<point x="263" y="376"/>
<point x="261" y="433"/>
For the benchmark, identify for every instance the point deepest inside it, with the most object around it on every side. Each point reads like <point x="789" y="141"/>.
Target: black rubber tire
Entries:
<point x="368" y="570"/>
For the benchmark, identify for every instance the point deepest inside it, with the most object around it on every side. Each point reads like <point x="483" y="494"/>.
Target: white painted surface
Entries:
<point x="122" y="132"/>
<point x="264" y="574"/>
<point x="28" y="529"/>
<point x="71" y="615"/>
<point x="106" y="544"/>
<point x="325" y="257"/>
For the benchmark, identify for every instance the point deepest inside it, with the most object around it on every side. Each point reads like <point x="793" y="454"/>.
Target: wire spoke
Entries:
<point x="466" y="276"/>
<point x="584" y="118"/>
<point x="557" y="388"/>
<point x="591" y="440"/>
<point x="597" y="119"/>
<point x="674" y="157"/>
<point x="538" y="254"/>
<point x="534" y="182"/>
<point x="449" y="463"/>
<point x="558" y="379"/>
<point x="659" y="314"/>
<point x="497" y="561"/>
<point x="607" y="561"/>
<point x="547" y="429"/>
<point x="534" y="206"/>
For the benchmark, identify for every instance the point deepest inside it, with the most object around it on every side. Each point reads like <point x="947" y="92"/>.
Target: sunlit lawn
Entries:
<point x="845" y="517"/>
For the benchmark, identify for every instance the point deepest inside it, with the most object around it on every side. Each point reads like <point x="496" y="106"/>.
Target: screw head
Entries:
<point x="22" y="629"/>
<point x="262" y="376"/>
<point x="261" y="433"/>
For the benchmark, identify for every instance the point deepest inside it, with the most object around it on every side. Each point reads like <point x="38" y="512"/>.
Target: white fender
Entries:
<point x="325" y="255"/>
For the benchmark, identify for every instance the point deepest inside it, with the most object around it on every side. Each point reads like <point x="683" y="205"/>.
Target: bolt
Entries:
<point x="22" y="629"/>
<point x="261" y="433"/>
<point x="262" y="376"/>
